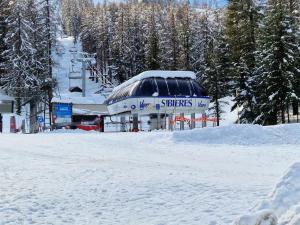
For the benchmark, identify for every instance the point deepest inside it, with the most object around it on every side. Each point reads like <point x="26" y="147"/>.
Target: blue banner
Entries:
<point x="63" y="111"/>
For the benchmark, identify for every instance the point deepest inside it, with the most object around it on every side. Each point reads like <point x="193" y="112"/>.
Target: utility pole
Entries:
<point x="83" y="78"/>
<point x="85" y="58"/>
<point x="49" y="46"/>
<point x="1" y="123"/>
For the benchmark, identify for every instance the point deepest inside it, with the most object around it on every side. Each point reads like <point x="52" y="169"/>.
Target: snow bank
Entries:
<point x="71" y="131"/>
<point x="228" y="117"/>
<point x="157" y="73"/>
<point x="242" y="135"/>
<point x="283" y="208"/>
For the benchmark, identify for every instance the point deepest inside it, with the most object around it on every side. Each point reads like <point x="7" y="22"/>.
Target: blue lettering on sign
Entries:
<point x="143" y="105"/>
<point x="157" y="106"/>
<point x="201" y="105"/>
<point x="177" y="103"/>
<point x="133" y="107"/>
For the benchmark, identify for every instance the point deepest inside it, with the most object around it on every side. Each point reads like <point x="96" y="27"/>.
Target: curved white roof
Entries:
<point x="157" y="73"/>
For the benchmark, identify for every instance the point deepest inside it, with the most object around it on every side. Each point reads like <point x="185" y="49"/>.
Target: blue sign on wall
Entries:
<point x="40" y="119"/>
<point x="62" y="112"/>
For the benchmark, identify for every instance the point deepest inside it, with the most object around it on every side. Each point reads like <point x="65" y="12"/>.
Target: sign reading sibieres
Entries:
<point x="153" y="105"/>
<point x="62" y="113"/>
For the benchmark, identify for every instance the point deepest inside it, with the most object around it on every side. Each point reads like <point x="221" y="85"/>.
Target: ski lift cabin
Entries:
<point x="159" y="94"/>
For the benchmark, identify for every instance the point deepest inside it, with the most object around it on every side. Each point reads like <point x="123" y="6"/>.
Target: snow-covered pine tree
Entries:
<point x="137" y="56"/>
<point x="72" y="12"/>
<point x="38" y="59"/>
<point x="184" y="16"/>
<point x="278" y="62"/>
<point x="18" y="53"/>
<point x="215" y="65"/>
<point x="241" y="24"/>
<point x="200" y="34"/>
<point x="87" y="35"/>
<point x="4" y="12"/>
<point x="50" y="17"/>
<point x="294" y="9"/>
<point x="118" y="43"/>
<point x="102" y="37"/>
<point x="168" y="34"/>
<point x="152" y="46"/>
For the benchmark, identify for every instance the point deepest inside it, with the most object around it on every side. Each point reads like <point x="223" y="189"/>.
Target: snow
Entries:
<point x="156" y="73"/>
<point x="228" y="117"/>
<point x="4" y="97"/>
<point x="243" y="134"/>
<point x="140" y="178"/>
<point x="75" y="98"/>
<point x="283" y="207"/>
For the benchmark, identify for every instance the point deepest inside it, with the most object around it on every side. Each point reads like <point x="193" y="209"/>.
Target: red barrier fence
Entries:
<point x="201" y="119"/>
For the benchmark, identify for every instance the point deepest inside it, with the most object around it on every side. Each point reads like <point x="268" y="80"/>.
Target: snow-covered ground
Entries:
<point x="142" y="178"/>
<point x="283" y="207"/>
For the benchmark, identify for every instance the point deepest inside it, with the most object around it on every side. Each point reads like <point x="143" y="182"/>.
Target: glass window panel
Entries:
<point x="197" y="89"/>
<point x="162" y="87"/>
<point x="172" y="86"/>
<point x="184" y="87"/>
<point x="146" y="88"/>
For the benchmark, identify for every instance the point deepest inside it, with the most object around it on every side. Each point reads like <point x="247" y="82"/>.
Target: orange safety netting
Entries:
<point x="201" y="119"/>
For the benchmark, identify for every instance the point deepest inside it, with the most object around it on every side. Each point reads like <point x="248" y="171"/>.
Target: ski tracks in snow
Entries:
<point x="132" y="179"/>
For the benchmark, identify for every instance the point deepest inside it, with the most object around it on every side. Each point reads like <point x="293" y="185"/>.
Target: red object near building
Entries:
<point x="13" y="126"/>
<point x="88" y="127"/>
<point x="97" y="124"/>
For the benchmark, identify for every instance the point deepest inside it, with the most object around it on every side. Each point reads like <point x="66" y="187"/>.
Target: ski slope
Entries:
<point x="62" y="58"/>
<point x="141" y="178"/>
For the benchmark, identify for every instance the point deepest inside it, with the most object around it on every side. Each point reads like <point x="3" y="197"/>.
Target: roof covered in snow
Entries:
<point x="65" y="98"/>
<point x="5" y="97"/>
<point x="157" y="73"/>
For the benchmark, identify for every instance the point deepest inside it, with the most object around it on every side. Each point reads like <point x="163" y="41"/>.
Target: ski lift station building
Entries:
<point x="159" y="94"/>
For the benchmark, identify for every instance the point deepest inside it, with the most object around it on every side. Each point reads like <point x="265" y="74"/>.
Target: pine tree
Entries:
<point x="152" y="51"/>
<point x="48" y="10"/>
<point x="4" y="12"/>
<point x="168" y="33"/>
<point x="279" y="67"/>
<point x="185" y="36"/>
<point x="18" y="53"/>
<point x="118" y="43"/>
<point x="73" y="15"/>
<point x="294" y="10"/>
<point x="215" y="65"/>
<point x="89" y="30"/>
<point x="241" y="25"/>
